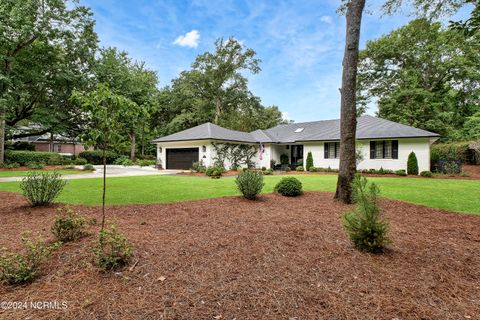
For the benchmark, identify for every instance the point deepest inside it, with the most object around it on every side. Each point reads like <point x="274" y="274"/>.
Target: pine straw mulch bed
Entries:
<point x="276" y="258"/>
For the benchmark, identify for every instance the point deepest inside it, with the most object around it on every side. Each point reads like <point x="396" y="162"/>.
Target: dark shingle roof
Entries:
<point x="208" y="131"/>
<point x="368" y="127"/>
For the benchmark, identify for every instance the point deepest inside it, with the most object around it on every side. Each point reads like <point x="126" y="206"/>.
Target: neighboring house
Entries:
<point x="383" y="143"/>
<point x="64" y="145"/>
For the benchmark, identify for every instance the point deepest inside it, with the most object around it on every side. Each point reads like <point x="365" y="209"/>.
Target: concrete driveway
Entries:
<point x="112" y="171"/>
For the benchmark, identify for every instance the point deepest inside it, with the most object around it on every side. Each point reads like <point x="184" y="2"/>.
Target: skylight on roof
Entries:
<point x="299" y="130"/>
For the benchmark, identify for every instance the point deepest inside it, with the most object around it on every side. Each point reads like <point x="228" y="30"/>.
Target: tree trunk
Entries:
<point x="142" y="152"/>
<point x="132" y="145"/>
<point x="51" y="142"/>
<point x="2" y="132"/>
<point x="348" y="112"/>
<point x="218" y="109"/>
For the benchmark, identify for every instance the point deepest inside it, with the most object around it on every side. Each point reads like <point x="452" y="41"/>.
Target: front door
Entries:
<point x="296" y="154"/>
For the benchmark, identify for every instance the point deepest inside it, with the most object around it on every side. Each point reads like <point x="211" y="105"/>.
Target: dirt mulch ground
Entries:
<point x="276" y="258"/>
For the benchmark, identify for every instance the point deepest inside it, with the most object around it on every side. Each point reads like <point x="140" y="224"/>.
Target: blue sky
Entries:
<point x="300" y="43"/>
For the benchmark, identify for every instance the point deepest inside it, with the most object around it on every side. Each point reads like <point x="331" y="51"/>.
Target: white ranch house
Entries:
<point x="384" y="144"/>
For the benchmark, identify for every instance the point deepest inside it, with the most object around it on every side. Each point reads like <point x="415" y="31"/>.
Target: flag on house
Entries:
<point x="261" y="150"/>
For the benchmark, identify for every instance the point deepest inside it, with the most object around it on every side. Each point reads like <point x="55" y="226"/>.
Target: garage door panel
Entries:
<point x="181" y="158"/>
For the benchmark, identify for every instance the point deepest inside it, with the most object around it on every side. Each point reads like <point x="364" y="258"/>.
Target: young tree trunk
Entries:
<point x="133" y="145"/>
<point x="348" y="112"/>
<point x="104" y="186"/>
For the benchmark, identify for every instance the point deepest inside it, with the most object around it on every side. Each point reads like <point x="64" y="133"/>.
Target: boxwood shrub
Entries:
<point x="25" y="157"/>
<point x="289" y="187"/>
<point x="96" y="157"/>
<point x="250" y="184"/>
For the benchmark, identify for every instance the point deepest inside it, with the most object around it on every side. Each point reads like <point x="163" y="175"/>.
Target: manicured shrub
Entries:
<point x="88" y="167"/>
<point x="264" y="168"/>
<point x="25" y="157"/>
<point x="427" y="174"/>
<point x="11" y="165"/>
<point x="284" y="159"/>
<point x="287" y="169"/>
<point x="401" y="172"/>
<point x="267" y="172"/>
<point x="364" y="225"/>
<point x="96" y="157"/>
<point x="459" y="151"/>
<point x="412" y="164"/>
<point x="289" y="186"/>
<point x="42" y="188"/>
<point x="250" y="184"/>
<point x="214" y="172"/>
<point x="36" y="165"/>
<point x="68" y="225"/>
<point x="69" y="167"/>
<point x="309" y="161"/>
<point x="80" y="161"/>
<point x="112" y="250"/>
<point x="300" y="162"/>
<point x="198" y="166"/>
<point x="313" y="169"/>
<point x="299" y="168"/>
<point x="24" y="266"/>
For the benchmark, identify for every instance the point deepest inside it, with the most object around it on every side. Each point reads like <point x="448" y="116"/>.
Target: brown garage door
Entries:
<point x="181" y="158"/>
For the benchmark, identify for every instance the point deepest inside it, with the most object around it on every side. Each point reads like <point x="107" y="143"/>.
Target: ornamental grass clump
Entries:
<point x="112" y="250"/>
<point x="18" y="267"/>
<point x="42" y="189"/>
<point x="250" y="184"/>
<point x="364" y="225"/>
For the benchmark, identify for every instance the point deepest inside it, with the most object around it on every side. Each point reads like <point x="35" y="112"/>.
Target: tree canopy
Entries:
<point x="215" y="90"/>
<point x="425" y="76"/>
<point x="46" y="49"/>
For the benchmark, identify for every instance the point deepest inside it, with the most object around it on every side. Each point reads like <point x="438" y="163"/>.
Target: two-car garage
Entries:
<point x="181" y="158"/>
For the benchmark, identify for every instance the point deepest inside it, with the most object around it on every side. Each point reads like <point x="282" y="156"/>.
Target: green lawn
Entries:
<point x="22" y="173"/>
<point x="454" y="195"/>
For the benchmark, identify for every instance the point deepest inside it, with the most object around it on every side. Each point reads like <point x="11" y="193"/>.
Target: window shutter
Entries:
<point x="325" y="150"/>
<point x="394" y="149"/>
<point x="372" y="149"/>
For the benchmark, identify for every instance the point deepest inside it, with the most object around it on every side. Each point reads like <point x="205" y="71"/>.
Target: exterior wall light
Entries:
<point x="204" y="149"/>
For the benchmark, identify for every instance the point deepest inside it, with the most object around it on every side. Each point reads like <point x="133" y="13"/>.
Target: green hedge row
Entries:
<point x="25" y="157"/>
<point x="452" y="151"/>
<point x="96" y="157"/>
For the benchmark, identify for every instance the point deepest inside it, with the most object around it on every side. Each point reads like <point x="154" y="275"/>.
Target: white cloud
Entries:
<point x="326" y="19"/>
<point x="190" y="39"/>
<point x="286" y="115"/>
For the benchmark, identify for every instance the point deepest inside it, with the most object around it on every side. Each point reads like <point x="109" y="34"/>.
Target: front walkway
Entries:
<point x="112" y="171"/>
